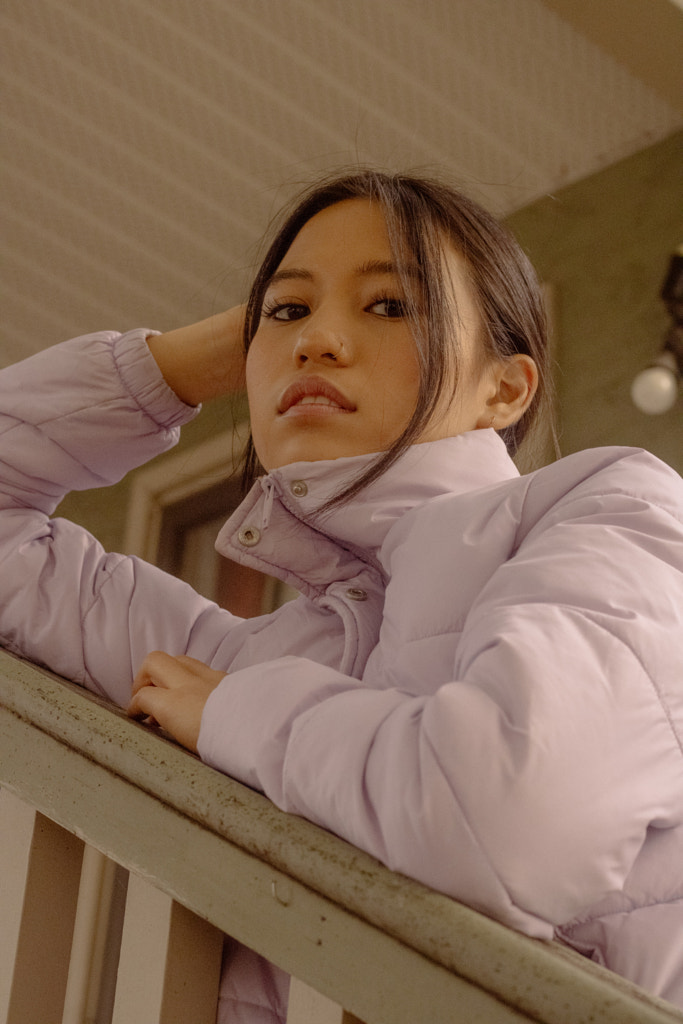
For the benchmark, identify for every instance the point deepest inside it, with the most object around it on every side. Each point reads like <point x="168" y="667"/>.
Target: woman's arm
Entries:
<point x="204" y="360"/>
<point x="73" y="417"/>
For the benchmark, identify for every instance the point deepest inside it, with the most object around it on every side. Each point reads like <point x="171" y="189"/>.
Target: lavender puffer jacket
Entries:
<point x="481" y="684"/>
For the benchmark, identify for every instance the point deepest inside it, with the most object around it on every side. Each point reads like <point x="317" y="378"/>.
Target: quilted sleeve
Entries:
<point x="76" y="416"/>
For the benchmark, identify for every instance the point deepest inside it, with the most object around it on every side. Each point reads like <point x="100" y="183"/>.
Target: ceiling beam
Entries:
<point x="645" y="36"/>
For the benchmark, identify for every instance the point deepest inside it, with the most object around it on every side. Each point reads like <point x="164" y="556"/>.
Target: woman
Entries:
<point x="482" y="681"/>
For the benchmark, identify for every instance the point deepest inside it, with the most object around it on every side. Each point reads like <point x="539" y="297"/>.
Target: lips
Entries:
<point x="314" y="392"/>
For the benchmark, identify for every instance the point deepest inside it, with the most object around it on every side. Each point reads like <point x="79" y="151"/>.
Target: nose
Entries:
<point x="321" y="340"/>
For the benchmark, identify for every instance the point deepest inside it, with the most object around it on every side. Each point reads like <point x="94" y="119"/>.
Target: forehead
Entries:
<point x="346" y="229"/>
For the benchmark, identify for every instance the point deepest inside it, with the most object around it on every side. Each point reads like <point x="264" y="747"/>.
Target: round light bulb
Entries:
<point x="655" y="390"/>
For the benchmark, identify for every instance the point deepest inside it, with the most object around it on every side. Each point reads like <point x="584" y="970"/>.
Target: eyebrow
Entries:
<point x="370" y="268"/>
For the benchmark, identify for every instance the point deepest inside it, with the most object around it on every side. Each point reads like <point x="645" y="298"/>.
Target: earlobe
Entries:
<point x="516" y="381"/>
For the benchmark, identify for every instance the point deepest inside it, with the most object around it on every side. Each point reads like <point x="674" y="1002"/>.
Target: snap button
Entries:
<point x="249" y="536"/>
<point x="299" y="488"/>
<point x="356" y="594"/>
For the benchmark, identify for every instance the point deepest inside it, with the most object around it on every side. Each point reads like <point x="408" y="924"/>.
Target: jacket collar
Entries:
<point x="278" y="529"/>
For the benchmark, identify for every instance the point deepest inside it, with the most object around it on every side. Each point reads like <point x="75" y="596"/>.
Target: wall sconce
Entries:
<point x="655" y="389"/>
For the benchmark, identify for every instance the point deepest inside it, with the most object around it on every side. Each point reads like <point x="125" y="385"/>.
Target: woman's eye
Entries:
<point x="390" y="308"/>
<point x="285" y="311"/>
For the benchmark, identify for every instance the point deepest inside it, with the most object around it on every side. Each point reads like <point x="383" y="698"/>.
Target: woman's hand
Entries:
<point x="173" y="691"/>
<point x="204" y="360"/>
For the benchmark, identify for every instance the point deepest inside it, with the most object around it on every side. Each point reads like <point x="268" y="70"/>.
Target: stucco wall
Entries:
<point x="604" y="245"/>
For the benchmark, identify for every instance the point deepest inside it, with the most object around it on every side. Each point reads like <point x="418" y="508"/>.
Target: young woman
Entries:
<point x="482" y="681"/>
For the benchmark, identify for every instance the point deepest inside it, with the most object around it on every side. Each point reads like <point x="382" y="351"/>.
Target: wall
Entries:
<point x="603" y="244"/>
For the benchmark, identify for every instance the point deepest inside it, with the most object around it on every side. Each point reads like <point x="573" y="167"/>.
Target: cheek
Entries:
<point x="398" y="382"/>
<point x="251" y="372"/>
<point x="257" y="389"/>
<point x="257" y="372"/>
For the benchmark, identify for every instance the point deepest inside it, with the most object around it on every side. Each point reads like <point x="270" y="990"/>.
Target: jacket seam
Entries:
<point x="481" y="848"/>
<point x="587" y="616"/>
<point x="653" y="685"/>
<point x="579" y="922"/>
<point x="615" y="492"/>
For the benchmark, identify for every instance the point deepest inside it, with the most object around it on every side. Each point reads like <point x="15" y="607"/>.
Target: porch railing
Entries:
<point x="84" y="790"/>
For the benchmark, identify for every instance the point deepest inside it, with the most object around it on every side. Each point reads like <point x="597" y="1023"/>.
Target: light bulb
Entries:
<point x="655" y="389"/>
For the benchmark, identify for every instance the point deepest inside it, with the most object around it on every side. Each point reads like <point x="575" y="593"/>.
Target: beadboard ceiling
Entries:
<point x="147" y="143"/>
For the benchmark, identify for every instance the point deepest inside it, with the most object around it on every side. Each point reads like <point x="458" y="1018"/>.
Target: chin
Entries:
<point x="315" y="453"/>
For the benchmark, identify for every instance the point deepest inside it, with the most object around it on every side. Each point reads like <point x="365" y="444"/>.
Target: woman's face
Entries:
<point x="332" y="369"/>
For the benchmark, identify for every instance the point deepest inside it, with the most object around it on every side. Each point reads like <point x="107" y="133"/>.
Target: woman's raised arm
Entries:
<point x="204" y="360"/>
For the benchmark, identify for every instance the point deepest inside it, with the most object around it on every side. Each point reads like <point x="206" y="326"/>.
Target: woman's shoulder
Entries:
<point x="602" y="478"/>
<point x="598" y="483"/>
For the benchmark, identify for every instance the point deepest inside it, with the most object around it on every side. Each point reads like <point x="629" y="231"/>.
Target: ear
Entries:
<point x="513" y="385"/>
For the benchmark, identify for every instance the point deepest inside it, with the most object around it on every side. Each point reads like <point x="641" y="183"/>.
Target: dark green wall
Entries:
<point x="604" y="246"/>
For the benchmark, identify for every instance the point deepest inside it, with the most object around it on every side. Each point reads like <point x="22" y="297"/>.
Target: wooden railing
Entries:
<point x="208" y="856"/>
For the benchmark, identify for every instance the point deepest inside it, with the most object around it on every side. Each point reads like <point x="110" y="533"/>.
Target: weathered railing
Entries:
<point x="208" y="856"/>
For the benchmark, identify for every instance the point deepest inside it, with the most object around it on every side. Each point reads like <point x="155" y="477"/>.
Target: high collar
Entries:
<point x="293" y="494"/>
<point x="453" y="465"/>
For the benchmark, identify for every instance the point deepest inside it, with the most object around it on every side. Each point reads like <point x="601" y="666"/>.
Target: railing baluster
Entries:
<point x="38" y="918"/>
<point x="88" y="948"/>
<point x="306" y="1006"/>
<point x="169" y="968"/>
<point x="16" y="830"/>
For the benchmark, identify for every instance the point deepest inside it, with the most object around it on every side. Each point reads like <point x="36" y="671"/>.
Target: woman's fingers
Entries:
<point x="173" y="690"/>
<point x="158" y="669"/>
<point x="170" y="671"/>
<point x="200" y="668"/>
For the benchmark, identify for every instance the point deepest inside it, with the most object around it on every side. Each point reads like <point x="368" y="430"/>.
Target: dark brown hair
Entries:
<point x="424" y="216"/>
